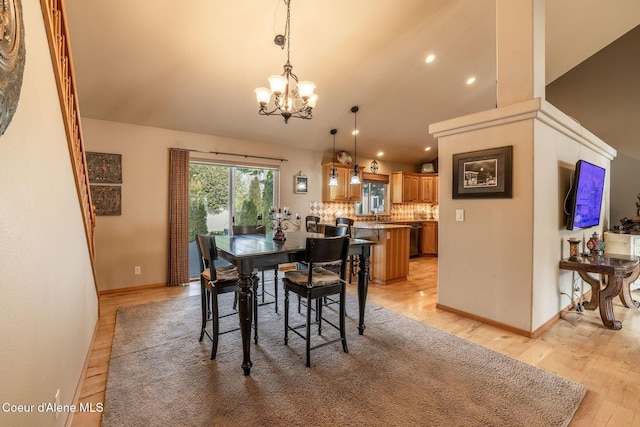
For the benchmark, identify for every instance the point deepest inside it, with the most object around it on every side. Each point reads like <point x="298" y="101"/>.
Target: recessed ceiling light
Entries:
<point x="427" y="149"/>
<point x="355" y="132"/>
<point x="430" y="58"/>
<point x="471" y="80"/>
<point x="380" y="153"/>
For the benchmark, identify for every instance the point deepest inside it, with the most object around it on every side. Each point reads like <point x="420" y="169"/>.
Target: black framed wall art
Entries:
<point x="107" y="199"/>
<point x="483" y="174"/>
<point x="104" y="168"/>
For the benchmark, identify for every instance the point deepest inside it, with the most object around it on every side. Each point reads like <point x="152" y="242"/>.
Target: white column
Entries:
<point x="520" y="51"/>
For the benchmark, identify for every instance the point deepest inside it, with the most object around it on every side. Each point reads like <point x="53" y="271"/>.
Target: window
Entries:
<point x="221" y="195"/>
<point x="375" y="190"/>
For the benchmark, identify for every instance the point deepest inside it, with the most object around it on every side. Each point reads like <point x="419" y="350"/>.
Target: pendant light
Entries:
<point x="355" y="178"/>
<point x="333" y="172"/>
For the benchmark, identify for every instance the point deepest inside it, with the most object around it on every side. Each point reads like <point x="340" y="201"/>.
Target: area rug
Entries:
<point x="399" y="373"/>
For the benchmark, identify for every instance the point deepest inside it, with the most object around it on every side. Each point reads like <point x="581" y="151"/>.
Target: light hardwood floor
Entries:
<point x="576" y="347"/>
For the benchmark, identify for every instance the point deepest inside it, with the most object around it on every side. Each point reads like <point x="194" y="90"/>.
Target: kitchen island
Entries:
<point x="390" y="254"/>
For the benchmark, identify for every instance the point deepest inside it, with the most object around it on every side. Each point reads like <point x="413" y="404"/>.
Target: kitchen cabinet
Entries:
<point x="390" y="254"/>
<point x="404" y="187"/>
<point x="429" y="189"/>
<point x="344" y="191"/>
<point x="429" y="238"/>
<point x="409" y="187"/>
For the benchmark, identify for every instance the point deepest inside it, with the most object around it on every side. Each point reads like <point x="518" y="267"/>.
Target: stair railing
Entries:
<point x="55" y="20"/>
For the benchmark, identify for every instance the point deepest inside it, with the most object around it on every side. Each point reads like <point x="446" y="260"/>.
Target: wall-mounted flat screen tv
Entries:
<point x="585" y="196"/>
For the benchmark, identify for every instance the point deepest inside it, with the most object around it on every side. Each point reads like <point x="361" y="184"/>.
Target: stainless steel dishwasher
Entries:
<point x="414" y="238"/>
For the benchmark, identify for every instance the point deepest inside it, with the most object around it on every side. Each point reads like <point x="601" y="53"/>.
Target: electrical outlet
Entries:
<point x="56" y="401"/>
<point x="137" y="269"/>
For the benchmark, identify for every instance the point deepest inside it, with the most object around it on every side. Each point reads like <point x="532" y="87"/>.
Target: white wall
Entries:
<point x="558" y="146"/>
<point x="485" y="262"/>
<point x="139" y="236"/>
<point x="501" y="263"/>
<point x="47" y="293"/>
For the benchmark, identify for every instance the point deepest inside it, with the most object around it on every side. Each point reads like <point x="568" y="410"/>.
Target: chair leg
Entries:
<point x="262" y="276"/>
<point x="205" y="308"/>
<point x="343" y="335"/>
<point x="286" y="316"/>
<point x="319" y="314"/>
<point x="308" y="336"/>
<point x="216" y="324"/>
<point x="255" y="309"/>
<point x="275" y="286"/>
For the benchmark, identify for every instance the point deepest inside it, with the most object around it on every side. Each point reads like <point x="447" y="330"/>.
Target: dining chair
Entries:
<point x="316" y="283"/>
<point x="329" y="231"/>
<point x="311" y="222"/>
<point x="335" y="231"/>
<point x="213" y="282"/>
<point x="239" y="230"/>
<point x="353" y="259"/>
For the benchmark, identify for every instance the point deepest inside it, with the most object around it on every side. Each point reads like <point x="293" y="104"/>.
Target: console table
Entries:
<point x="628" y="244"/>
<point x="617" y="272"/>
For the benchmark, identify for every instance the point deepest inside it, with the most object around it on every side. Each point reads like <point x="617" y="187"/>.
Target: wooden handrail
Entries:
<point x="55" y="20"/>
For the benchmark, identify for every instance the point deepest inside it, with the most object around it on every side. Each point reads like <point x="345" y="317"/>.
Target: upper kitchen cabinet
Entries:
<point x="429" y="189"/>
<point x="414" y="188"/>
<point x="404" y="187"/>
<point x="344" y="191"/>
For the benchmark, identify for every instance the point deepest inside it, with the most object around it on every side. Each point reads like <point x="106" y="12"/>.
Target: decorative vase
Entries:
<point x="595" y="245"/>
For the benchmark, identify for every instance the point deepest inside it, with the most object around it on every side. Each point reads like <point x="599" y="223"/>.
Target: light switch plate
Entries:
<point x="459" y="214"/>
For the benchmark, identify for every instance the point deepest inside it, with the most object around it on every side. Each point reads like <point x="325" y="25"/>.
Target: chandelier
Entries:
<point x="355" y="178"/>
<point x="289" y="102"/>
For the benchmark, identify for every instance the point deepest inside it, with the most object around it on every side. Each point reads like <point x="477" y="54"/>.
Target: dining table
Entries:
<point x="254" y="251"/>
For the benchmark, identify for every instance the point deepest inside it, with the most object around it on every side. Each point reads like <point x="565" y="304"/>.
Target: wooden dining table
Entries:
<point x="250" y="251"/>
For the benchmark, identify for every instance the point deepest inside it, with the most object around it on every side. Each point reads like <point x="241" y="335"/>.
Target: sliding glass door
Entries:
<point x="221" y="195"/>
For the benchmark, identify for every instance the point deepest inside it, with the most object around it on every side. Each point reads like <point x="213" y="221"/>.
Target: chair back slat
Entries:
<point x="335" y="231"/>
<point x="239" y="230"/>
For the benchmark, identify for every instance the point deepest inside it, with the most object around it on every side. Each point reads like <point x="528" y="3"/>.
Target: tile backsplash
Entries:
<point x="329" y="211"/>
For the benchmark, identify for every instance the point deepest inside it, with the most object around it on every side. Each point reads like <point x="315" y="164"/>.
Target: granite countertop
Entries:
<point x="405" y="221"/>
<point x="378" y="225"/>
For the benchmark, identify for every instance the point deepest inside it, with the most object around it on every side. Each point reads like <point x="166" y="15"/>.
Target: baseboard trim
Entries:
<point x="485" y="320"/>
<point x="83" y="375"/>
<point x="132" y="288"/>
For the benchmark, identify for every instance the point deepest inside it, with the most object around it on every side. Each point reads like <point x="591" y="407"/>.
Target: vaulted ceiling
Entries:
<point x="193" y="66"/>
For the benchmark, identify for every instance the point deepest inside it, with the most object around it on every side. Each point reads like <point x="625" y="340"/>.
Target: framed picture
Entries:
<point x="301" y="184"/>
<point x="484" y="174"/>
<point x="427" y="168"/>
<point x="104" y="168"/>
<point x="107" y="199"/>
